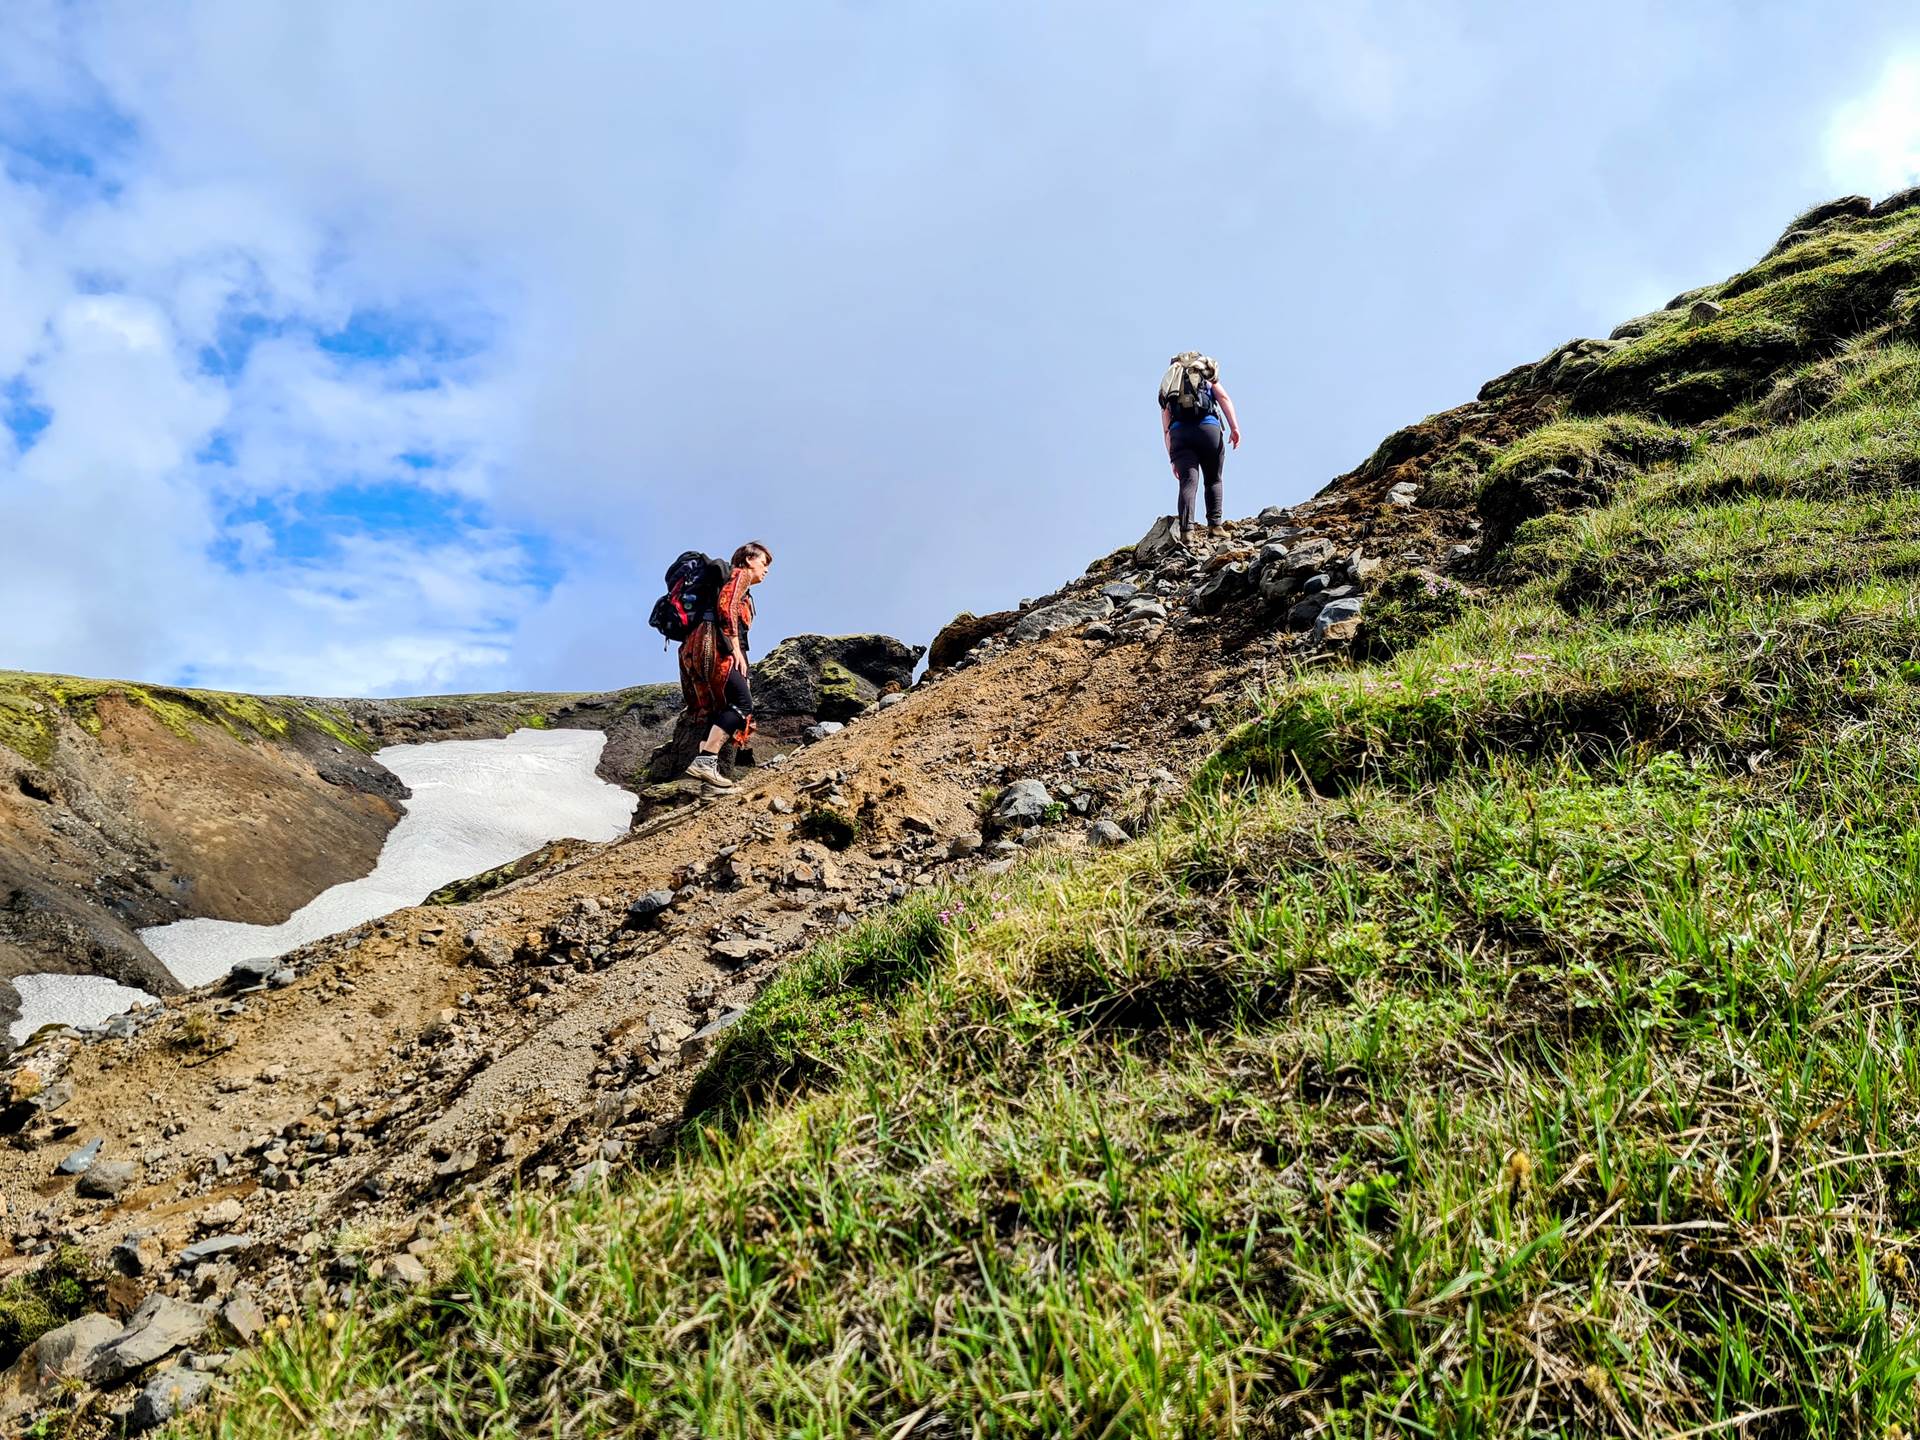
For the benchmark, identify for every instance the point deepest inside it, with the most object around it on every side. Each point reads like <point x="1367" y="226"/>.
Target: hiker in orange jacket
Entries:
<point x="713" y="665"/>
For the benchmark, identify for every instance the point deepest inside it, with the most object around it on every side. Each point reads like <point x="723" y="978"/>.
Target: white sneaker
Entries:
<point x="706" y="769"/>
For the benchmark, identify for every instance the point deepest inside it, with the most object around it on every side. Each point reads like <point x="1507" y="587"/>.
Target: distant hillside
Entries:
<point x="125" y="805"/>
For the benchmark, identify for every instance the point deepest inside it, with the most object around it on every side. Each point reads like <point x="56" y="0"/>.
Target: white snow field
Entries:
<point x="49" y="999"/>
<point x="476" y="804"/>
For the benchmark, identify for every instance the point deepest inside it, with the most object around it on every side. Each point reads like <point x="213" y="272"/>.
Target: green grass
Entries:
<point x="32" y="705"/>
<point x="1510" y="1036"/>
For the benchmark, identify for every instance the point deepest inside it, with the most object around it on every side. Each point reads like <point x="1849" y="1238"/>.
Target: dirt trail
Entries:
<point x="533" y="1032"/>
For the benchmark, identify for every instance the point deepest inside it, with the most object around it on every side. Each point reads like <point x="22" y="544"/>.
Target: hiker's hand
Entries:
<point x="1234" y="439"/>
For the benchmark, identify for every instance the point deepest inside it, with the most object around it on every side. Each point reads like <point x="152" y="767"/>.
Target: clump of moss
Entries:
<point x="65" y="1288"/>
<point x="1569" y="465"/>
<point x="1406" y="609"/>
<point x="839" y="692"/>
<point x="832" y="827"/>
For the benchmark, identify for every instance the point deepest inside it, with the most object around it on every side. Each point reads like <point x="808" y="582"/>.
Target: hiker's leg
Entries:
<point x="1213" y="456"/>
<point x="1187" y="467"/>
<point x="733" y="719"/>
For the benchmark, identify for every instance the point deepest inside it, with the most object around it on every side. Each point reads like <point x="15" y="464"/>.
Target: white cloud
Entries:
<point x="1873" y="142"/>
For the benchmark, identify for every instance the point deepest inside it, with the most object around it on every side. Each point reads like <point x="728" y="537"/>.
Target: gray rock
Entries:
<point x="242" y="1315"/>
<point x="1024" y="802"/>
<point x="405" y="1269"/>
<point x="1336" y="612"/>
<point x="1640" y="324"/>
<point x="1161" y="540"/>
<point x="1219" y="589"/>
<point x="250" y="974"/>
<point x="61" y="1353"/>
<point x="1403" y="494"/>
<point x="1276" y="583"/>
<point x="213" y="1245"/>
<point x="105" y="1179"/>
<point x="1104" y="834"/>
<point x="1143" y="609"/>
<point x="648" y="907"/>
<point x="1120" y="592"/>
<point x="1309" y="556"/>
<point x="172" y="1392"/>
<point x="1098" y="630"/>
<point x="1363" y="568"/>
<point x="160" y="1326"/>
<point x="1705" y="312"/>
<point x="1900" y="200"/>
<point x="887" y="702"/>
<point x="1302" y="615"/>
<point x="823" y="729"/>
<point x="1061" y="615"/>
<point x="1314" y="584"/>
<point x="81" y="1160"/>
<point x="136" y="1255"/>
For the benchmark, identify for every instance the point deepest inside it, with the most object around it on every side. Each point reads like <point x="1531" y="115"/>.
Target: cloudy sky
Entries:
<point x="383" y="348"/>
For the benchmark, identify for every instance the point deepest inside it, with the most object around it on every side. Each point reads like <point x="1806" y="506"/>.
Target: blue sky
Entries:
<point x="381" y="349"/>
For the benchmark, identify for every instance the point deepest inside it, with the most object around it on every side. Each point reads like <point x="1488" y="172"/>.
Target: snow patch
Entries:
<point x="76" y="1000"/>
<point x="476" y="804"/>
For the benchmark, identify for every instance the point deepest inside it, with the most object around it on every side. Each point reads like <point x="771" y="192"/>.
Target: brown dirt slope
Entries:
<point x="537" y="1031"/>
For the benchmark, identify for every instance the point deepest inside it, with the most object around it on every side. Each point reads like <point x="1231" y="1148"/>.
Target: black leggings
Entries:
<point x="739" y="695"/>
<point x="1198" y="452"/>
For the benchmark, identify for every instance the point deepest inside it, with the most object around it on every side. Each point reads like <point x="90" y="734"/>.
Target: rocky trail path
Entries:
<point x="311" y="1124"/>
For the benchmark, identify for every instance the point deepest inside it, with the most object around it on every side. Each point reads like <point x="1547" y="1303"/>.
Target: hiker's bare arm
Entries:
<point x="1226" y="409"/>
<point x="1166" y="430"/>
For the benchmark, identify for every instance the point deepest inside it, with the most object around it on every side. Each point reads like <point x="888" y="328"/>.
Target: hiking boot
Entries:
<point x="1219" y="529"/>
<point x="706" y="769"/>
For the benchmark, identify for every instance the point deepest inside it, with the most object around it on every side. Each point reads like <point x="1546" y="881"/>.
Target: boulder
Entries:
<point x="1302" y="615"/>
<point x="962" y="633"/>
<point x="1338" y="619"/>
<point x="1277" y="583"/>
<point x="1900" y="200"/>
<point x="105" y="1179"/>
<point x="1309" y="556"/>
<point x="81" y="1160"/>
<point x="1061" y="615"/>
<point x="1705" y="312"/>
<point x="56" y="1356"/>
<point x="1104" y="835"/>
<point x="647" y="908"/>
<point x="1024" y="802"/>
<point x="160" y="1326"/>
<point x="174" y="1391"/>
<point x="1160" y="541"/>
<point x="830" y="677"/>
<point x="1218" y="590"/>
<point x="250" y="974"/>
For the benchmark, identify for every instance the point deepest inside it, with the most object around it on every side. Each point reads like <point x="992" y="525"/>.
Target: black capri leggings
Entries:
<point x="1197" y="452"/>
<point x="739" y="693"/>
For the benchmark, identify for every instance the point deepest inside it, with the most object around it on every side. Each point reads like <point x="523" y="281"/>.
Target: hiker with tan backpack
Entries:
<point x="1197" y="424"/>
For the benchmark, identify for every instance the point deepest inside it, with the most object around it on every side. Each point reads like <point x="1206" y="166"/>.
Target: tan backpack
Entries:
<point x="1187" y="388"/>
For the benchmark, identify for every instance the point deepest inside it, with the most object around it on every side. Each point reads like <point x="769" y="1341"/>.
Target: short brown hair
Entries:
<point x="747" y="551"/>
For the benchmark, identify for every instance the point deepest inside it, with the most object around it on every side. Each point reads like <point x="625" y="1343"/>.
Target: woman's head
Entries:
<point x="753" y="556"/>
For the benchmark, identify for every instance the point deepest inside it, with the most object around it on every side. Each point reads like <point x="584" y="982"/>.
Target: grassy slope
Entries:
<point x="1511" y="1036"/>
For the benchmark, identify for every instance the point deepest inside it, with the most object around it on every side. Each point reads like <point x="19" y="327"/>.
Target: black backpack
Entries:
<point x="693" y="587"/>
